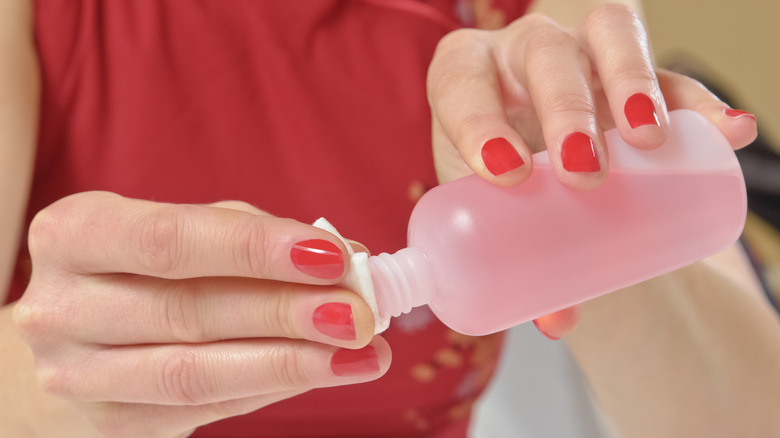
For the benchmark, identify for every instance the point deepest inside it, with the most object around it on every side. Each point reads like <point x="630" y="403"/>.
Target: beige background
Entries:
<point x="735" y="41"/>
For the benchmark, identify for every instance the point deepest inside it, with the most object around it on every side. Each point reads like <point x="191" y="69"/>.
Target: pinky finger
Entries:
<point x="120" y="420"/>
<point x="558" y="324"/>
<point x="682" y="92"/>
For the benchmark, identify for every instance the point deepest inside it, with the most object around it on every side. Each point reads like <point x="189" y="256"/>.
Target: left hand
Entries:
<point x="498" y="96"/>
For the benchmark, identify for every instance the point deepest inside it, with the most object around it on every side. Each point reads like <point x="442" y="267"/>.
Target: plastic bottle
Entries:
<point x="485" y="258"/>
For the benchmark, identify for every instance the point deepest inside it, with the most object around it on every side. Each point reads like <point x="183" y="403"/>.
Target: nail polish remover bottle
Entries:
<point x="485" y="258"/>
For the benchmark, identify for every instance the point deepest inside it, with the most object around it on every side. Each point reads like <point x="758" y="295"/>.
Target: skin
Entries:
<point x="532" y="83"/>
<point x="691" y="353"/>
<point x="191" y="365"/>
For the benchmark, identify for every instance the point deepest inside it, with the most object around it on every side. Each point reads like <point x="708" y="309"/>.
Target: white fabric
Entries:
<point x="538" y="391"/>
<point x="358" y="278"/>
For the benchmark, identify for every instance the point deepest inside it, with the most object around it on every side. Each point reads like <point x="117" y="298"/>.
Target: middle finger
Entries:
<point x="557" y="72"/>
<point x="149" y="310"/>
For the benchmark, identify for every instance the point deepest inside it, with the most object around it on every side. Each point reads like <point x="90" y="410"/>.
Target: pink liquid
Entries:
<point x="486" y="258"/>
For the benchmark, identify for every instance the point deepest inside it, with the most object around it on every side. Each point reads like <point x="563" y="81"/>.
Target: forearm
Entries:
<point x="19" y="91"/>
<point x="688" y="354"/>
<point x="24" y="409"/>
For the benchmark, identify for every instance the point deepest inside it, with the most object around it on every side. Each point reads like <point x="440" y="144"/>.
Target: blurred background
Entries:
<point x="735" y="42"/>
<point x="732" y="46"/>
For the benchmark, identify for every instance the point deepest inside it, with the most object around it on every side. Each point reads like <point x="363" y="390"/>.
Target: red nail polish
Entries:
<point x="544" y="332"/>
<point x="556" y="325"/>
<point x="318" y="258"/>
<point x="640" y="111"/>
<point x="335" y="320"/>
<point x="739" y="113"/>
<point x="578" y="153"/>
<point x="500" y="156"/>
<point x="346" y="362"/>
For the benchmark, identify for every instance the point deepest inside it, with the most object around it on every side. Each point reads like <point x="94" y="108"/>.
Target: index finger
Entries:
<point x="99" y="232"/>
<point x="464" y="93"/>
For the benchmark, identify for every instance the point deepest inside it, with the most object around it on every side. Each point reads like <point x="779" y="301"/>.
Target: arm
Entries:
<point x="692" y="353"/>
<point x="19" y="92"/>
<point x="18" y="124"/>
<point x="191" y="365"/>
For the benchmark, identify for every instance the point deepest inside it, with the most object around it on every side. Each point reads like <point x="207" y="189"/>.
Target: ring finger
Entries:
<point x="197" y="374"/>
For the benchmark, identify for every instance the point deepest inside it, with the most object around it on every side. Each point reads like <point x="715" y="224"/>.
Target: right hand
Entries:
<point x="153" y="319"/>
<point x="496" y="96"/>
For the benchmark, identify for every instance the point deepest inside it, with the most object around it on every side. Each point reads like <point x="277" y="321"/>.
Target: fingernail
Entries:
<point x="335" y="320"/>
<point x="578" y="153"/>
<point x="346" y="362"/>
<point x="640" y="111"/>
<point x="556" y="325"/>
<point x="542" y="330"/>
<point x="318" y="258"/>
<point x="500" y="156"/>
<point x="739" y="113"/>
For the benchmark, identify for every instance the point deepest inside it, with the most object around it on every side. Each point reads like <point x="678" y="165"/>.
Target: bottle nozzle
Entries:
<point x="401" y="281"/>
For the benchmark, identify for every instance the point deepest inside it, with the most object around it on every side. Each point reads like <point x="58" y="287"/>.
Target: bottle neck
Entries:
<point x="402" y="281"/>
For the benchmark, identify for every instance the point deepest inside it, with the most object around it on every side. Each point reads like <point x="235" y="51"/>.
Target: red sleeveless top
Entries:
<point x="303" y="108"/>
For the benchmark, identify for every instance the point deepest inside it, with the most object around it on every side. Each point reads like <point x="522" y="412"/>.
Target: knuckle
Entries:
<point x="633" y="73"/>
<point x="457" y="39"/>
<point x="49" y="313"/>
<point x="51" y="226"/>
<point x="41" y="232"/>
<point x="252" y="246"/>
<point x="55" y="381"/>
<point x="277" y="315"/>
<point x="571" y="105"/>
<point x="158" y="240"/>
<point x="451" y="84"/>
<point x="442" y="78"/>
<point x="549" y="42"/>
<point x="535" y="20"/>
<point x="472" y="121"/>
<point x="37" y="323"/>
<point x="27" y="319"/>
<point x="181" y="316"/>
<point x="44" y="231"/>
<point x="288" y="368"/>
<point x="179" y="378"/>
<point x="609" y="13"/>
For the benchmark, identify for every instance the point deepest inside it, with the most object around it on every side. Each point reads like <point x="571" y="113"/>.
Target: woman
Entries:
<point x="155" y="306"/>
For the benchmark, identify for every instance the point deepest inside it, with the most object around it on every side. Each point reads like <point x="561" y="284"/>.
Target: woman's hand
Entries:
<point x="498" y="96"/>
<point x="154" y="318"/>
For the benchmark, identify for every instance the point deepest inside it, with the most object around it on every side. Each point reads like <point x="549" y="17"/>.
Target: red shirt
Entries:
<point x="303" y="108"/>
